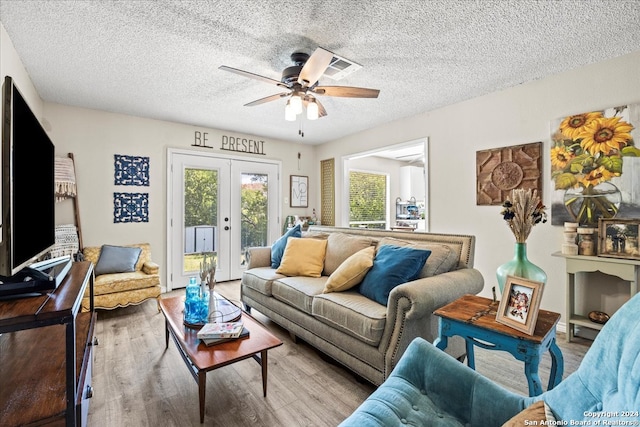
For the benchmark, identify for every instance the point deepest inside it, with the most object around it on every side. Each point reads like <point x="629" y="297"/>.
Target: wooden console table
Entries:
<point x="626" y="269"/>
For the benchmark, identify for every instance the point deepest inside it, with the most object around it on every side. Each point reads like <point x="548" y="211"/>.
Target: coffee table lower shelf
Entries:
<point x="201" y="359"/>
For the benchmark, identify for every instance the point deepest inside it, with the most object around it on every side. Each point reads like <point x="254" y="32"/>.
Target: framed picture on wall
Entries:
<point x="520" y="304"/>
<point x="299" y="197"/>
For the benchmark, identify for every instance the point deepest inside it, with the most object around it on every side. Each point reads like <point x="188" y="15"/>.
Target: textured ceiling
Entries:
<point x="160" y="59"/>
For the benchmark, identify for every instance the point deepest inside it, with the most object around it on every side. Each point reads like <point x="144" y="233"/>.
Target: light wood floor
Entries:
<point x="138" y="383"/>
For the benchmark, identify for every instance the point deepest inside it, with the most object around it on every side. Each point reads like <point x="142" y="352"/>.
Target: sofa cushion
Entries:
<point x="351" y="272"/>
<point x="303" y="257"/>
<point x="441" y="260"/>
<point x="117" y="259"/>
<point x="260" y="279"/>
<point x="315" y="235"/>
<point x="392" y="266"/>
<point x="353" y="314"/>
<point x="277" y="249"/>
<point x="298" y="291"/>
<point x="341" y="246"/>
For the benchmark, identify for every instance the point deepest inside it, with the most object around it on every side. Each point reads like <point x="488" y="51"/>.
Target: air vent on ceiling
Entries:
<point x="340" y="68"/>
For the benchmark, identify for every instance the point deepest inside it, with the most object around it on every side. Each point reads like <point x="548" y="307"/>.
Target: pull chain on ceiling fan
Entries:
<point x="301" y="82"/>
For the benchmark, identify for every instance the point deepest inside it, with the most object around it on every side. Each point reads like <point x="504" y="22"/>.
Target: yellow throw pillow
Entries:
<point x="303" y="257"/>
<point x="351" y="271"/>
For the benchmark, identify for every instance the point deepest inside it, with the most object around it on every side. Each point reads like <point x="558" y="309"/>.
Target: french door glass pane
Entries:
<point x="254" y="208"/>
<point x="200" y="217"/>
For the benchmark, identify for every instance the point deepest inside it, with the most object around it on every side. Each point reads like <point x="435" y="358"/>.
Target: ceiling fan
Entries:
<point x="301" y="84"/>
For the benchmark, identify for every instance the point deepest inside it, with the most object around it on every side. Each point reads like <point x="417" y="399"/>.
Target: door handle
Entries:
<point x="226" y="227"/>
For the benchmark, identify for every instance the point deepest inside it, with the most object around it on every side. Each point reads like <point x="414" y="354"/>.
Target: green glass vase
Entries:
<point x="520" y="266"/>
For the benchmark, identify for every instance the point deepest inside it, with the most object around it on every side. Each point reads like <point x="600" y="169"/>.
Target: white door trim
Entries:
<point x="171" y="152"/>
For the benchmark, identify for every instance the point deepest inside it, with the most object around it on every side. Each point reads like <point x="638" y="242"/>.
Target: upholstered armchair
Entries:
<point x="124" y="275"/>
<point x="430" y="388"/>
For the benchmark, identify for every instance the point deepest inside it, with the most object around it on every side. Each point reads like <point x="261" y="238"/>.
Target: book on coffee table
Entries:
<point x="213" y="341"/>
<point x="220" y="330"/>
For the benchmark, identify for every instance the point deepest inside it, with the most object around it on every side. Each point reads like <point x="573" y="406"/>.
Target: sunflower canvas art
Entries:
<point x="595" y="166"/>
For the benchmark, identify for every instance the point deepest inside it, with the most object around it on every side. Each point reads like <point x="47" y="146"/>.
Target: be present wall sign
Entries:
<point x="231" y="143"/>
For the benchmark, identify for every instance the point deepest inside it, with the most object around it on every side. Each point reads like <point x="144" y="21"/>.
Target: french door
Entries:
<point x="218" y="207"/>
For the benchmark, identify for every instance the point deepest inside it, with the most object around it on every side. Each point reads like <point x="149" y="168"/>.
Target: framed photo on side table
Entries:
<point x="618" y="238"/>
<point x="520" y="304"/>
<point x="299" y="197"/>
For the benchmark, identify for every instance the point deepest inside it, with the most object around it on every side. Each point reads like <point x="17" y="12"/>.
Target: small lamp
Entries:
<point x="289" y="114"/>
<point x="296" y="103"/>
<point x="312" y="110"/>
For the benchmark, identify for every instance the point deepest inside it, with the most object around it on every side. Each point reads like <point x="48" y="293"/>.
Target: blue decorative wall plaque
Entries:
<point x="131" y="170"/>
<point x="130" y="207"/>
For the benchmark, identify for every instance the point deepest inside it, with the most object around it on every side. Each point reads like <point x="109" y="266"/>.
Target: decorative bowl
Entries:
<point x="598" y="317"/>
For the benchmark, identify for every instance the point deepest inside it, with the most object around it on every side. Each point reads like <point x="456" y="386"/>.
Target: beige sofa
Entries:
<point x="124" y="288"/>
<point x="360" y="333"/>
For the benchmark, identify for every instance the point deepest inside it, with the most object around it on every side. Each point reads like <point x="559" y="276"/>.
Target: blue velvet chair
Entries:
<point x="430" y="388"/>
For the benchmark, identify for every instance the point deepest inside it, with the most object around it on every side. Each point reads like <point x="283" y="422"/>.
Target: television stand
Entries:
<point x="56" y="268"/>
<point x="38" y="278"/>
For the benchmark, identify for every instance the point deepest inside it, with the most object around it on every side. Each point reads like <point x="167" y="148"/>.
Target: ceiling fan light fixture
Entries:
<point x="289" y="113"/>
<point x="296" y="102"/>
<point x="312" y="110"/>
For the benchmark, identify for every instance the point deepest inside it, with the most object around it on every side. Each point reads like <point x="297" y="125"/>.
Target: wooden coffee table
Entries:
<point x="201" y="359"/>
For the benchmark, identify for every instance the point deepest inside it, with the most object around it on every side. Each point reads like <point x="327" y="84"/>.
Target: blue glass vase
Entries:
<point x="196" y="304"/>
<point x="520" y="266"/>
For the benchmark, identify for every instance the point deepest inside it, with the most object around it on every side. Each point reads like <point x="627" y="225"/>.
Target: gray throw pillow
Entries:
<point x="117" y="259"/>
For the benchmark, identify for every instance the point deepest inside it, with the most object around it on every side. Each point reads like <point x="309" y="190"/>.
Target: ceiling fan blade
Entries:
<point x="315" y="66"/>
<point x="347" y="91"/>
<point x="252" y="76"/>
<point x="267" y="99"/>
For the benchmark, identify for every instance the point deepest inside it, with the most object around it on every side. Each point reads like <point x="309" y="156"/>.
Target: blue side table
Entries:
<point x="474" y="319"/>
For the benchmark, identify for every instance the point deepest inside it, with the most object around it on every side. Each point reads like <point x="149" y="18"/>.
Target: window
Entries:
<point x="367" y="200"/>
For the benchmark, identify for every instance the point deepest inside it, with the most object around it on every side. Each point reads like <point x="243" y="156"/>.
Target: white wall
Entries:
<point x="514" y="116"/>
<point x="95" y="136"/>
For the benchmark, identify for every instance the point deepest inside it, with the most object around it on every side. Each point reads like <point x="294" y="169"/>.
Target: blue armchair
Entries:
<point x="430" y="388"/>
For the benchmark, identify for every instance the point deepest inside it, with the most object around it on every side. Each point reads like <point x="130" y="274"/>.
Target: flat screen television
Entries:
<point x="28" y="199"/>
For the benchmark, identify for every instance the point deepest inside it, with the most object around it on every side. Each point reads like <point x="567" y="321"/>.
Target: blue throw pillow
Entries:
<point x="277" y="249"/>
<point x="392" y="266"/>
<point x="117" y="259"/>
